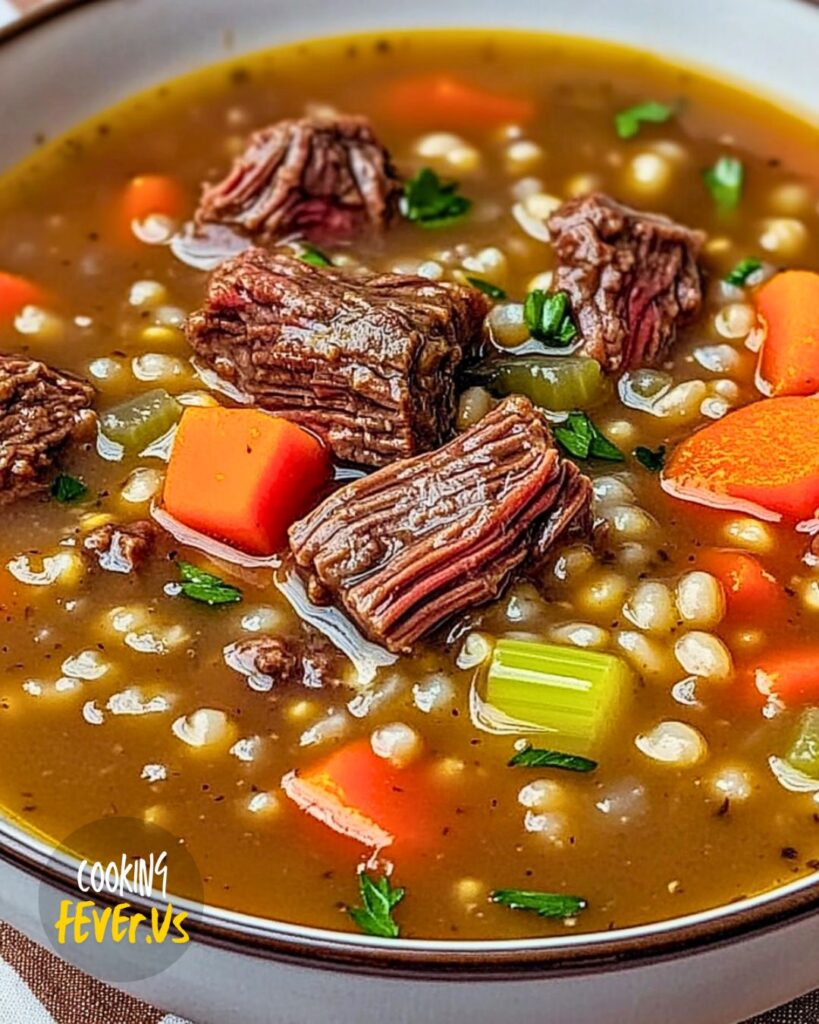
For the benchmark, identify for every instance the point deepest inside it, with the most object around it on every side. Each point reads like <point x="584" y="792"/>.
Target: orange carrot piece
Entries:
<point x="362" y="796"/>
<point x="453" y="102"/>
<point x="16" y="292"/>
<point x="243" y="476"/>
<point x="789" y="307"/>
<point x="762" y="459"/>
<point x="151" y="194"/>
<point x="750" y="590"/>
<point x="791" y="676"/>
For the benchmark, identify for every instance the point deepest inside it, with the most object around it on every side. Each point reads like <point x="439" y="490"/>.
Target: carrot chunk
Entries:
<point x="762" y="459"/>
<point x="243" y="476"/>
<point x="789" y="307"/>
<point x="362" y="796"/>
<point x="790" y="676"/>
<point x="149" y="194"/>
<point x="453" y="102"/>
<point x="750" y="590"/>
<point x="16" y="292"/>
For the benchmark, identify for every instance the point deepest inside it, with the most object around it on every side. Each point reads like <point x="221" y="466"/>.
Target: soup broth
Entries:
<point x="105" y="675"/>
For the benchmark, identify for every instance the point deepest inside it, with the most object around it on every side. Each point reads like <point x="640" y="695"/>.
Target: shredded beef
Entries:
<point x="275" y="661"/>
<point x="41" y="409"/>
<point x="366" y="360"/>
<point x="406" y="547"/>
<point x="122" y="547"/>
<point x="632" y="278"/>
<point x="321" y="179"/>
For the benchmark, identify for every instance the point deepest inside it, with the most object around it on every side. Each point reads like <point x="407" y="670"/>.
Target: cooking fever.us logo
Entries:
<point x="127" y="895"/>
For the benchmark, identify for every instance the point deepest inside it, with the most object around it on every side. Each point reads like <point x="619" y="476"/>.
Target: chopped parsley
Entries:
<point x="379" y="899"/>
<point x="487" y="288"/>
<point x="68" y="488"/>
<point x="724" y="181"/>
<point x="652" y="458"/>
<point x="742" y="271"/>
<point x="535" y="757"/>
<point x="548" y="317"/>
<point x="581" y="438"/>
<point x="628" y="121"/>
<point x="433" y="203"/>
<point x="203" y="586"/>
<point x="315" y="257"/>
<point x="545" y="904"/>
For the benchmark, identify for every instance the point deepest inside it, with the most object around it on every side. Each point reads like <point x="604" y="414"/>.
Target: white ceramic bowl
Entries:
<point x="713" y="968"/>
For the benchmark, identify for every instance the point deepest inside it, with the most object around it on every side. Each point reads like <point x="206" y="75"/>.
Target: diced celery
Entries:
<point x="558" y="383"/>
<point x="804" y="752"/>
<point x="574" y="695"/>
<point x="141" y="420"/>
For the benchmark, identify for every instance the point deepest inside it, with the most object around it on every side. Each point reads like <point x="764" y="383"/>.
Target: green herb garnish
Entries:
<point x="432" y="203"/>
<point x="628" y="121"/>
<point x="548" y="317"/>
<point x="724" y="181"/>
<point x="487" y="288"/>
<point x="203" y="586"/>
<point x="535" y="757"/>
<point x="581" y="438"/>
<point x="379" y="899"/>
<point x="315" y="257"/>
<point x="742" y="271"/>
<point x="652" y="458"/>
<point x="545" y="904"/>
<point x="68" y="488"/>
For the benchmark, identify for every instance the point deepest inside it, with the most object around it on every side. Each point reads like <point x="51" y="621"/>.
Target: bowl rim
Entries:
<point x="426" y="959"/>
<point x="440" y="959"/>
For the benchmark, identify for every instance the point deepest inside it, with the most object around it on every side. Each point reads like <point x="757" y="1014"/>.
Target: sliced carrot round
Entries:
<point x="762" y="459"/>
<point x="151" y="194"/>
<point x="790" y="676"/>
<point x="365" y="798"/>
<point x="16" y="292"/>
<point x="789" y="307"/>
<point x="750" y="590"/>
<point x="453" y="102"/>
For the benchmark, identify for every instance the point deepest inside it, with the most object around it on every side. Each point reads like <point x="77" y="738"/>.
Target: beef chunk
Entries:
<point x="270" y="661"/>
<point x="322" y="179"/>
<point x="122" y="547"/>
<point x="632" y="278"/>
<point x="405" y="548"/>
<point x="41" y="409"/>
<point x="366" y="360"/>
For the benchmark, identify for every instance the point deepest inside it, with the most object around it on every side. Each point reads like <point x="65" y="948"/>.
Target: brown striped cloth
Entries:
<point x="38" y="988"/>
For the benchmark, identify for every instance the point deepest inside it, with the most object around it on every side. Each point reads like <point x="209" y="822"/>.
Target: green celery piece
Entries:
<point x="572" y="694"/>
<point x="558" y="383"/>
<point x="141" y="420"/>
<point x="804" y="751"/>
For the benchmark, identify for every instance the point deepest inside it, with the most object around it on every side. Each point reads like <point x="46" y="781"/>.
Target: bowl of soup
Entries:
<point x="409" y="498"/>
